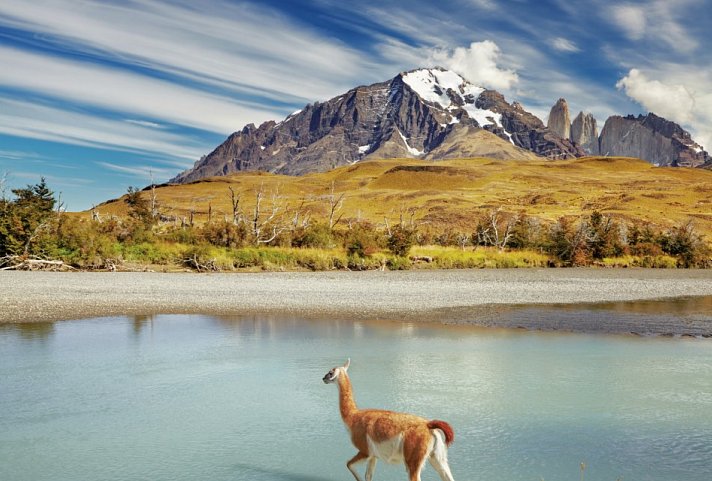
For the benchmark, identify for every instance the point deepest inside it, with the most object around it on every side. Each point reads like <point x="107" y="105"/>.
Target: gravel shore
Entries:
<point x="552" y="299"/>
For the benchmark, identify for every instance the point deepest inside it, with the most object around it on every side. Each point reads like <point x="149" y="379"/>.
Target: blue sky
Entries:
<point x="99" y="95"/>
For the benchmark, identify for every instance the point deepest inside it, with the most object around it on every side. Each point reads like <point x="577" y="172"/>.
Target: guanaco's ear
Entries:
<point x="348" y="363"/>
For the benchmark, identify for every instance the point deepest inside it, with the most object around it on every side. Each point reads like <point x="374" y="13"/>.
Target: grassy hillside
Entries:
<point x="454" y="192"/>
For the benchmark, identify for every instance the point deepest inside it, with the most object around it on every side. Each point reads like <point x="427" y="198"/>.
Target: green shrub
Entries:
<point x="316" y="236"/>
<point x="401" y="240"/>
<point x="362" y="240"/>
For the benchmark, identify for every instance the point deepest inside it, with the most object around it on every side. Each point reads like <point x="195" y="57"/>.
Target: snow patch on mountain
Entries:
<point x="411" y="150"/>
<point x="432" y="85"/>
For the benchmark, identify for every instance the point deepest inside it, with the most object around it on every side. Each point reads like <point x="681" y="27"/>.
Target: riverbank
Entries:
<point x="548" y="299"/>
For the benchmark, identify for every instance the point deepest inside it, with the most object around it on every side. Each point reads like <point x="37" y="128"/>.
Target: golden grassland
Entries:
<point x="453" y="193"/>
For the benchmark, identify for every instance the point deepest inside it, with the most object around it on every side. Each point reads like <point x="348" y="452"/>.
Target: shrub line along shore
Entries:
<point x="474" y="297"/>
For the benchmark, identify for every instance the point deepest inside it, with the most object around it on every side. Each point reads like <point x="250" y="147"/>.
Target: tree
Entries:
<point x="603" y="236"/>
<point x="686" y="244"/>
<point x="334" y="203"/>
<point x="494" y="229"/>
<point x="25" y="218"/>
<point x="266" y="222"/>
<point x="401" y="239"/>
<point x="568" y="242"/>
<point x="235" y="205"/>
<point x="139" y="207"/>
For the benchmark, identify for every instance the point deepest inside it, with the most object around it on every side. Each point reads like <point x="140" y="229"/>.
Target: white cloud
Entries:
<point x="689" y="104"/>
<point x="485" y="4"/>
<point x="144" y="172"/>
<point x="478" y="64"/>
<point x="658" y="20"/>
<point x="671" y="101"/>
<point x="36" y="121"/>
<point x="123" y="91"/>
<point x="242" y="47"/>
<point x="145" y="123"/>
<point x="564" y="45"/>
<point x="631" y="19"/>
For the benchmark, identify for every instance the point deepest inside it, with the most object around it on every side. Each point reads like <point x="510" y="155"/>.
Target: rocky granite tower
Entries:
<point x="559" y="120"/>
<point x="585" y="133"/>
<point x="652" y="138"/>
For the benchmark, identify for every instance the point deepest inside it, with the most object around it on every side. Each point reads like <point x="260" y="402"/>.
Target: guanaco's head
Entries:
<point x="335" y="372"/>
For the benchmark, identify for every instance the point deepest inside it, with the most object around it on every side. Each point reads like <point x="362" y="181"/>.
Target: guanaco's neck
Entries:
<point x="347" y="405"/>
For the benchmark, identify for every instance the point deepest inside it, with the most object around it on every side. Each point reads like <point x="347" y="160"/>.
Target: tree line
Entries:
<point x="34" y="227"/>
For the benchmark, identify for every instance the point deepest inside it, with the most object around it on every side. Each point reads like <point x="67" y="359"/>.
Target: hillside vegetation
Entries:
<point x="455" y="193"/>
<point x="394" y="214"/>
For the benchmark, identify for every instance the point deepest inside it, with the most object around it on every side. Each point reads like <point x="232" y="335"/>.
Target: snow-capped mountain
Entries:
<point x="426" y="113"/>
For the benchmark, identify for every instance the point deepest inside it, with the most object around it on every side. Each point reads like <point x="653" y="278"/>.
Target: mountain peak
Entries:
<point x="425" y="113"/>
<point x="441" y="87"/>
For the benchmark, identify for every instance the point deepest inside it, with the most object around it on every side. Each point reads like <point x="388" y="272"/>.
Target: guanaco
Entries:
<point x="390" y="436"/>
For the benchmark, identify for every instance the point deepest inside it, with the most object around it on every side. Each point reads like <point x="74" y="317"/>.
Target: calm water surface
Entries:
<point x="204" y="398"/>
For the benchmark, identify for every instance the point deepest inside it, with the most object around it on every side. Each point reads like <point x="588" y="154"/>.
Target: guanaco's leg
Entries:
<point x="438" y="458"/>
<point x="356" y="459"/>
<point x="414" y="473"/>
<point x="415" y="450"/>
<point x="441" y="466"/>
<point x="370" y="468"/>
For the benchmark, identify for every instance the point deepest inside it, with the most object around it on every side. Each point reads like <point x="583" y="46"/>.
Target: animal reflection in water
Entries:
<point x="390" y="436"/>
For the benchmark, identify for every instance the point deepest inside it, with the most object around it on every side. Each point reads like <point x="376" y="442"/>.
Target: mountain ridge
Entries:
<point x="427" y="113"/>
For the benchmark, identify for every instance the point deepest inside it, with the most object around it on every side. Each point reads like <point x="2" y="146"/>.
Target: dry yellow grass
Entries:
<point x="454" y="192"/>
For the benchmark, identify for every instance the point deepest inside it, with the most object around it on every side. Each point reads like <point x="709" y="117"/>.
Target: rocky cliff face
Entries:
<point x="559" y="119"/>
<point x="434" y="114"/>
<point x="411" y="115"/>
<point x="526" y="130"/>
<point x="651" y="138"/>
<point x="585" y="133"/>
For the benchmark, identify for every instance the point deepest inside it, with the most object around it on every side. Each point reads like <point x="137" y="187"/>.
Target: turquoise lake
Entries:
<point x="206" y="398"/>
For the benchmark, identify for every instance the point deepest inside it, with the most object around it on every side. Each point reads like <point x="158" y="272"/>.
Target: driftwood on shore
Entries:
<point x="31" y="263"/>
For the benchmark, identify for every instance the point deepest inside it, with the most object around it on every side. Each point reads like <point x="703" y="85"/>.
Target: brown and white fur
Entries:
<point x="390" y="436"/>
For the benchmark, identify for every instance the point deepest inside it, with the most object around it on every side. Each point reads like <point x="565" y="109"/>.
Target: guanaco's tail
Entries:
<point x="445" y="428"/>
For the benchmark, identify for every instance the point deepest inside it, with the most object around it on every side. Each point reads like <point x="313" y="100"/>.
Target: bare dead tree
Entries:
<point x="266" y="224"/>
<point x="335" y="204"/>
<point x="235" y="205"/>
<point x="154" y="200"/>
<point x="388" y="227"/>
<point x="495" y="229"/>
<point x="3" y="185"/>
<point x="408" y="212"/>
<point x="462" y="240"/>
<point x="301" y="217"/>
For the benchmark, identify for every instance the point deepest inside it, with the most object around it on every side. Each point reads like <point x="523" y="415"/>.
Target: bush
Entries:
<point x="316" y="236"/>
<point x="684" y="243"/>
<point x="362" y="241"/>
<point x="83" y="244"/>
<point x="401" y="240"/>
<point x="225" y="234"/>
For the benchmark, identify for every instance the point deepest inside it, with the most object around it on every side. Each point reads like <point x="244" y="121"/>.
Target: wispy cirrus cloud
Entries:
<point x="143" y="172"/>
<point x="658" y="20"/>
<point x="245" y="48"/>
<point x="44" y="122"/>
<point x="122" y="91"/>
<point x="564" y="45"/>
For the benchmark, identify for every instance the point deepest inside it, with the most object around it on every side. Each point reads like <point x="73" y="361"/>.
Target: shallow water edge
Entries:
<point x="644" y="302"/>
